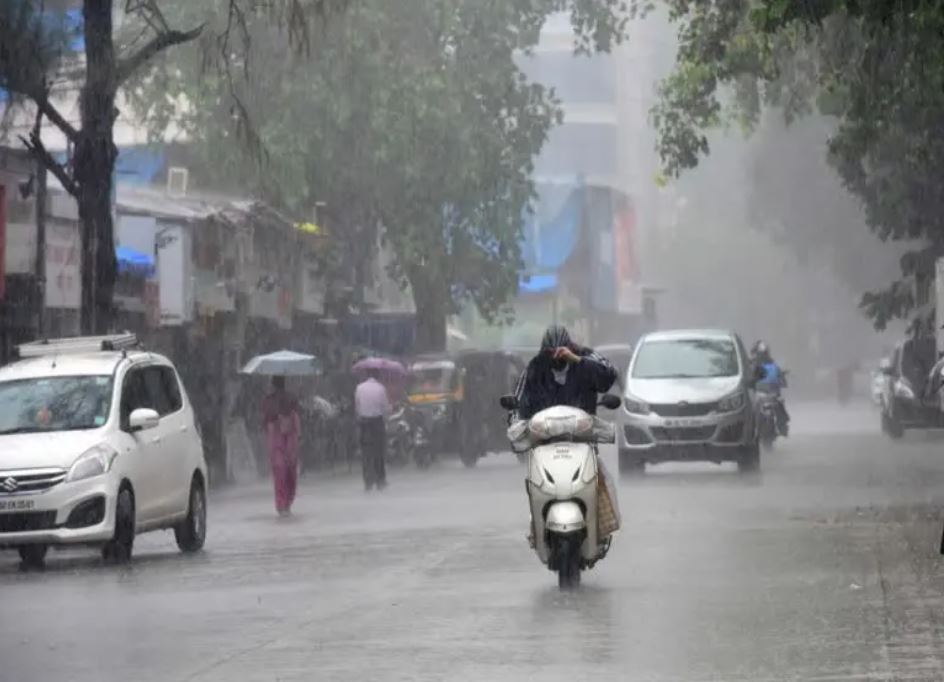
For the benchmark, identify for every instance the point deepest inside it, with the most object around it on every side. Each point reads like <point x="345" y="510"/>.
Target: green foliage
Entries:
<point x="878" y="67"/>
<point x="410" y="118"/>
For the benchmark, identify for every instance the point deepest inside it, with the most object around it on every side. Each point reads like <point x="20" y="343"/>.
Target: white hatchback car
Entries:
<point x="98" y="443"/>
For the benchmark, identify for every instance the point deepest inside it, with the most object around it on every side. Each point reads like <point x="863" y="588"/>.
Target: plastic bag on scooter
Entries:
<point x="608" y="513"/>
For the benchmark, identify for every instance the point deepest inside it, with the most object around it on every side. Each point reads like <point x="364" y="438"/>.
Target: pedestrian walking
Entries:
<point x="371" y="405"/>
<point x="283" y="427"/>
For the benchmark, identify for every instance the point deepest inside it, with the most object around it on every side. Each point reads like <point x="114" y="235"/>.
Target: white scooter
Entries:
<point x="564" y="474"/>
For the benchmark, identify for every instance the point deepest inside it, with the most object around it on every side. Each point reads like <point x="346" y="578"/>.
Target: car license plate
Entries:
<point x="16" y="505"/>
<point x="681" y="423"/>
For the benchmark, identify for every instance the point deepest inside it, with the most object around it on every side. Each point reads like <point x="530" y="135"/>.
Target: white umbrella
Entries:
<point x="282" y="363"/>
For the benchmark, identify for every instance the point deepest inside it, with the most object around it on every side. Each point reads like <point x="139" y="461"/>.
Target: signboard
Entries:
<point x="629" y="292"/>
<point x="63" y="263"/>
<point x="939" y="304"/>
<point x="3" y="240"/>
<point x="174" y="274"/>
<point x="311" y="289"/>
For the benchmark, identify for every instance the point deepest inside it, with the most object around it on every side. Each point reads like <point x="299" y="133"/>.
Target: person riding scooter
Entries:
<point x="563" y="373"/>
<point x="774" y="379"/>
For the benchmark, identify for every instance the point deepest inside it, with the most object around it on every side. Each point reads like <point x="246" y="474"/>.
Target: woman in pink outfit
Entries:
<point x="282" y="425"/>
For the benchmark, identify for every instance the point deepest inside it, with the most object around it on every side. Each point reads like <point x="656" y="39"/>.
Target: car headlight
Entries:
<point x="903" y="390"/>
<point x="93" y="462"/>
<point x="732" y="403"/>
<point x="634" y="405"/>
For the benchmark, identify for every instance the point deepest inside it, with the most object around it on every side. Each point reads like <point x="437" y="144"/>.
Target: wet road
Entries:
<point x="824" y="568"/>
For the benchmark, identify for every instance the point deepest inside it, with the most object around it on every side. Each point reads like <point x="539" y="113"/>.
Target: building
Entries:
<point x="597" y="195"/>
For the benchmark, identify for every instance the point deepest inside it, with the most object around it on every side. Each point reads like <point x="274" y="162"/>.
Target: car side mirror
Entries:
<point x="143" y="419"/>
<point x="509" y="402"/>
<point x="610" y="401"/>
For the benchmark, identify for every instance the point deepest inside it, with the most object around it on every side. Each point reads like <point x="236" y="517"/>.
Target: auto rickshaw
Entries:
<point x="456" y="397"/>
<point x="482" y="421"/>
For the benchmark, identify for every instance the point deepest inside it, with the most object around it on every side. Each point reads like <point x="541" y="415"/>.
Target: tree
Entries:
<point x="876" y="67"/>
<point x="411" y="120"/>
<point x="34" y="57"/>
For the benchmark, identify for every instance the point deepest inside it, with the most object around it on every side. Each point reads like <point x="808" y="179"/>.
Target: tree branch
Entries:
<point x="49" y="111"/>
<point x="160" y="42"/>
<point x="35" y="145"/>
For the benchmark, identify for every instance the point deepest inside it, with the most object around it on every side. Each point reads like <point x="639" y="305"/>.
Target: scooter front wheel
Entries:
<point x="568" y="566"/>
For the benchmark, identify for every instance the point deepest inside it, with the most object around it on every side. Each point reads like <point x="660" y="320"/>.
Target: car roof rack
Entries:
<point x="78" y="344"/>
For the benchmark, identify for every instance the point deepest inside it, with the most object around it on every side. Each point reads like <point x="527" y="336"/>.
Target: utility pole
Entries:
<point x="41" y="195"/>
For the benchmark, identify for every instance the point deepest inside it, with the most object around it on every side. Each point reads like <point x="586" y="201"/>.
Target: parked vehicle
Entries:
<point x="99" y="444"/>
<point x="570" y="530"/>
<point x="688" y="397"/>
<point x="456" y="395"/>
<point x="906" y="401"/>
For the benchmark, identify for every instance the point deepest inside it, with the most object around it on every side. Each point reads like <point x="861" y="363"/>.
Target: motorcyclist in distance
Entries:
<point x="563" y="373"/>
<point x="774" y="379"/>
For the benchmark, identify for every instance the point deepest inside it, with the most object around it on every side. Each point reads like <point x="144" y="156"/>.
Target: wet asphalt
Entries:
<point x="824" y="567"/>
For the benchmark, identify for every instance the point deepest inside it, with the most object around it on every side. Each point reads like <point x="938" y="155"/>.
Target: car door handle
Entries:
<point x="183" y="429"/>
<point x="157" y="439"/>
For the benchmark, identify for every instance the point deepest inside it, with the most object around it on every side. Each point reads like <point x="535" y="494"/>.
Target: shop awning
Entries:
<point x="131" y="262"/>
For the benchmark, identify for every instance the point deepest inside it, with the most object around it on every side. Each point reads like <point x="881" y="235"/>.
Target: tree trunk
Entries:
<point x="94" y="160"/>
<point x="432" y="304"/>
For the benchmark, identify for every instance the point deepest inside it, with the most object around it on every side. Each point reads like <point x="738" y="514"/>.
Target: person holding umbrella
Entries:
<point x="282" y="427"/>
<point x="281" y="420"/>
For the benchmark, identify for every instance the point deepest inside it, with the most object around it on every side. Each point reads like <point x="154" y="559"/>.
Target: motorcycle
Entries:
<point x="573" y="506"/>
<point x="771" y="423"/>
<point x="399" y="437"/>
<point x="422" y="449"/>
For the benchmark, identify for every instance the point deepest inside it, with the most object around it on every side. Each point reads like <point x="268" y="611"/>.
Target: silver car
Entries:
<point x="688" y="397"/>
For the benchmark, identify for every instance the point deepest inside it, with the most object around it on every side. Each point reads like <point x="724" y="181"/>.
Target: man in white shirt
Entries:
<point x="372" y="405"/>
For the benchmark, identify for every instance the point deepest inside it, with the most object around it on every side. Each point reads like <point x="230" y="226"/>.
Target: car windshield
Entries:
<point x="686" y="359"/>
<point x="54" y="404"/>
<point x="431" y="380"/>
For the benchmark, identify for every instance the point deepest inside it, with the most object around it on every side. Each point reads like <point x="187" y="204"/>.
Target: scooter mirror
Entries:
<point x="509" y="402"/>
<point x="610" y="401"/>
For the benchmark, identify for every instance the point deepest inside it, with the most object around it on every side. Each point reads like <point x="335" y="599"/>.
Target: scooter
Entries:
<point x="570" y="529"/>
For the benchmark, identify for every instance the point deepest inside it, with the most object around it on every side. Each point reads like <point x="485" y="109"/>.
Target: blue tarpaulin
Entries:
<point x="134" y="262"/>
<point x="550" y="234"/>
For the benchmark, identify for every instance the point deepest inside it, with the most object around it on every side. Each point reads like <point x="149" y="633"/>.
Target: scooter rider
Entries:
<point x="563" y="373"/>
<point x="773" y="380"/>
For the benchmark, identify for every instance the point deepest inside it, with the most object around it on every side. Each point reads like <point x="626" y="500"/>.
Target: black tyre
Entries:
<point x="767" y="443"/>
<point x="892" y="427"/>
<point x="630" y="464"/>
<point x="33" y="557"/>
<point x="120" y="548"/>
<point x="191" y="532"/>
<point x="568" y="567"/>
<point x="469" y="459"/>
<point x="522" y="457"/>
<point x="749" y="461"/>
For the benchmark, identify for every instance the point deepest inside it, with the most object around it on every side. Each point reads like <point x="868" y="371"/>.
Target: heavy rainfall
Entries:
<point x="471" y="340"/>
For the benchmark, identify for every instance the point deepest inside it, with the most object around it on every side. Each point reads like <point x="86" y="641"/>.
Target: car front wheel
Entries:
<point x="33" y="557"/>
<point x="630" y="464"/>
<point x="191" y="532"/>
<point x="749" y="461"/>
<point x="119" y="549"/>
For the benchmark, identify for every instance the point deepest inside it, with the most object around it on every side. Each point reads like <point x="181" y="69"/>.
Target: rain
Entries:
<point x="464" y="340"/>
